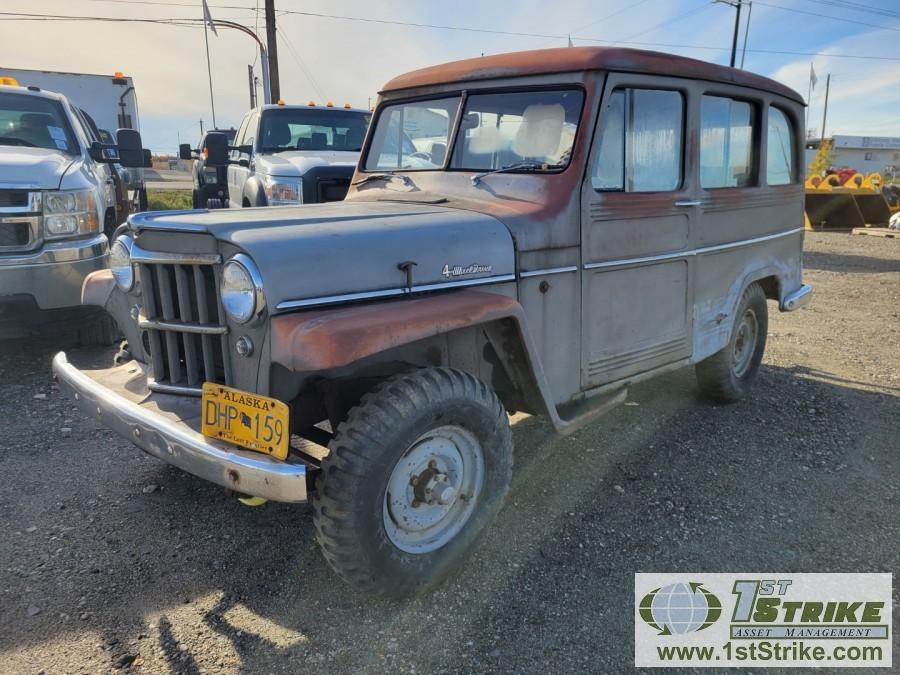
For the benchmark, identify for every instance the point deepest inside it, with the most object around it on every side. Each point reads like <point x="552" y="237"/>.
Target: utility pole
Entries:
<point x="737" y="24"/>
<point x="252" y="86"/>
<point x="825" y="112"/>
<point x="746" y="32"/>
<point x="272" y="44"/>
<point x="201" y="127"/>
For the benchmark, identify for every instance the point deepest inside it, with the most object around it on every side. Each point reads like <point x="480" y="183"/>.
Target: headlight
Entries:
<point x="242" y="290"/>
<point x="120" y="262"/>
<point x="68" y="213"/>
<point x="280" y="191"/>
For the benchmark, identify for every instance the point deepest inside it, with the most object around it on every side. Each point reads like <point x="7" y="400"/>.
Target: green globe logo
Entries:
<point x="680" y="608"/>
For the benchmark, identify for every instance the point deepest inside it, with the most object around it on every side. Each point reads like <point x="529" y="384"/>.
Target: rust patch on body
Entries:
<point x="331" y="338"/>
<point x="574" y="59"/>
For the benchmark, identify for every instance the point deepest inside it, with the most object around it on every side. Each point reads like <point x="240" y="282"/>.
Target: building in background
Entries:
<point x="863" y="153"/>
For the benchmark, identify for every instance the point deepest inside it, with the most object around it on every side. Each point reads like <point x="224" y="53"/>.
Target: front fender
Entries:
<point x="254" y="192"/>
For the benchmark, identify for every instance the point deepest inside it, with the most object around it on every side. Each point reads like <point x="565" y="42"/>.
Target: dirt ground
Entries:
<point x="111" y="560"/>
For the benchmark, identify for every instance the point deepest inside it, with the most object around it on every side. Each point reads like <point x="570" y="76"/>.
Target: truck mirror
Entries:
<point x="148" y="159"/>
<point x="185" y="151"/>
<point x="131" y="152"/>
<point x="216" y="145"/>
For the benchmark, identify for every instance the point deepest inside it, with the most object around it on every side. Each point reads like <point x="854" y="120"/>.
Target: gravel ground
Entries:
<point x="111" y="560"/>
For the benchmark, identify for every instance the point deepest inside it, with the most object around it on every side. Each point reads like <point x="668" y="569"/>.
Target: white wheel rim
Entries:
<point x="744" y="343"/>
<point x="433" y="489"/>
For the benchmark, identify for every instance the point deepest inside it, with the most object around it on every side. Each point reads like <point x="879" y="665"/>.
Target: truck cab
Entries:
<point x="59" y="205"/>
<point x="530" y="232"/>
<point x="295" y="154"/>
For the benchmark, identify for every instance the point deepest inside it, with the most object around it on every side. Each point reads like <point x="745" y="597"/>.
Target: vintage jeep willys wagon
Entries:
<point x="525" y="232"/>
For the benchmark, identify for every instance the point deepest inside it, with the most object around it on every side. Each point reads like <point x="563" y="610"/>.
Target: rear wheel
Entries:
<point x="414" y="475"/>
<point x="727" y="375"/>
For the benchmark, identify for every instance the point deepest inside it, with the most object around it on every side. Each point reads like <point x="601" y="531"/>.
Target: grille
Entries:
<point x="15" y="234"/>
<point x="333" y="190"/>
<point x="182" y="317"/>
<point x="13" y="198"/>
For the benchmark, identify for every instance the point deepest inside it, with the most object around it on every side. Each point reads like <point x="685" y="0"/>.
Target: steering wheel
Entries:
<point x="421" y="155"/>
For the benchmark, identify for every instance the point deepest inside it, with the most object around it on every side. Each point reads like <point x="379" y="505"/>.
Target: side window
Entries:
<point x="728" y="157"/>
<point x="640" y="142"/>
<point x="780" y="163"/>
<point x="239" y="138"/>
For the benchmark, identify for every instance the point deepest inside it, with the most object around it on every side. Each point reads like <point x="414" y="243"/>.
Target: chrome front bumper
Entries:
<point x="173" y="440"/>
<point x="53" y="274"/>
<point x="797" y="299"/>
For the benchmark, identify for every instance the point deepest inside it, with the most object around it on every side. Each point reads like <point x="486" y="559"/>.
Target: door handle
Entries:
<point x="688" y="202"/>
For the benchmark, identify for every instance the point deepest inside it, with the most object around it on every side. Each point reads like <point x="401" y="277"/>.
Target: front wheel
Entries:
<point x="414" y="475"/>
<point x="727" y="375"/>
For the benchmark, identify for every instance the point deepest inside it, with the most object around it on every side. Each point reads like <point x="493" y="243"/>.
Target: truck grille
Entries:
<point x="182" y="319"/>
<point x="18" y="198"/>
<point x="15" y="234"/>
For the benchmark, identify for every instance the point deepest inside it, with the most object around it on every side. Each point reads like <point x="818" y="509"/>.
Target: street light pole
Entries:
<point x="263" y="55"/>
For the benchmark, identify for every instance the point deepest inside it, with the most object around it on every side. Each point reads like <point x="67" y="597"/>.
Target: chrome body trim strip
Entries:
<point x="141" y="255"/>
<point x="796" y="299"/>
<point x="182" y="327"/>
<point x="687" y="254"/>
<point x="548" y="271"/>
<point x="178" y="444"/>
<point x="391" y="292"/>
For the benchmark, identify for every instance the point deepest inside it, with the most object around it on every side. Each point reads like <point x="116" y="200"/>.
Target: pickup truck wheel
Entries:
<point x="727" y="375"/>
<point x="415" y="473"/>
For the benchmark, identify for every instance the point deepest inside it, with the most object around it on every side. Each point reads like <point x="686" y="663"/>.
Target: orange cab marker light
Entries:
<point x="347" y="106"/>
<point x="118" y="73"/>
<point x="312" y="103"/>
<point x="281" y="101"/>
<point x="330" y="104"/>
<point x="9" y="81"/>
<point x="205" y="153"/>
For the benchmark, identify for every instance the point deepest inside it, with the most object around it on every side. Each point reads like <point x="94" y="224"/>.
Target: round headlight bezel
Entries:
<point x="123" y="273"/>
<point x="253" y="290"/>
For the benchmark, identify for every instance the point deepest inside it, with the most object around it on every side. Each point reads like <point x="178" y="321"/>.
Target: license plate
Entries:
<point x="249" y="420"/>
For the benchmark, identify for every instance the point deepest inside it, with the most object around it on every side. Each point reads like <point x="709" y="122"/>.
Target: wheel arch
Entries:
<point x="254" y="193"/>
<point x="344" y="341"/>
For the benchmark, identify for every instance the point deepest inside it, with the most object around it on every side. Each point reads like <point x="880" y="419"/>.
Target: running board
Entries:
<point x="574" y="415"/>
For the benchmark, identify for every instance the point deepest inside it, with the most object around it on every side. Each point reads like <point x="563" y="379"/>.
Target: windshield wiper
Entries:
<point x="518" y="166"/>
<point x="12" y="140"/>
<point x="384" y="176"/>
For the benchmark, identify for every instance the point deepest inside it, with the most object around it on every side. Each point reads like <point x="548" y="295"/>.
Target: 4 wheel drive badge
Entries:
<point x="463" y="270"/>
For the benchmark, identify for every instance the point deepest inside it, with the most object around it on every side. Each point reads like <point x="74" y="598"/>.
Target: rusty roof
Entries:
<point x="574" y="59"/>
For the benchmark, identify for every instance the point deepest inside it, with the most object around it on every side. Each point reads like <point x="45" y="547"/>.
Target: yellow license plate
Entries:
<point x="252" y="421"/>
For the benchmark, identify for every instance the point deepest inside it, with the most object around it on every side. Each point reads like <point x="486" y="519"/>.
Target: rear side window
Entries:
<point x="780" y="154"/>
<point x="728" y="157"/>
<point x="641" y="141"/>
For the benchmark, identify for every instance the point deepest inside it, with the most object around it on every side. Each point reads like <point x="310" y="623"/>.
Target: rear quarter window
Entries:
<point x="781" y="164"/>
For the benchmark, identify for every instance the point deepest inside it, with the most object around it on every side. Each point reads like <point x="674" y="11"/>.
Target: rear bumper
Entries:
<point x="54" y="274"/>
<point x="151" y="424"/>
<point x="796" y="299"/>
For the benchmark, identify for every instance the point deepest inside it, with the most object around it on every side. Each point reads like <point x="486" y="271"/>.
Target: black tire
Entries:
<point x="214" y="203"/>
<point x="350" y="511"/>
<point x="721" y="378"/>
<point x="100" y="330"/>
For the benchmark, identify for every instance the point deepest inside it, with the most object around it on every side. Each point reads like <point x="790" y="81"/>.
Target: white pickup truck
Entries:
<point x="57" y="211"/>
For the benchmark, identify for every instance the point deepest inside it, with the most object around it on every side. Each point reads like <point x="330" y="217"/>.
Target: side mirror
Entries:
<point x="216" y="149"/>
<point x="244" y="163"/>
<point x="245" y="149"/>
<point x="148" y="159"/>
<point x="131" y="151"/>
<point x="185" y="151"/>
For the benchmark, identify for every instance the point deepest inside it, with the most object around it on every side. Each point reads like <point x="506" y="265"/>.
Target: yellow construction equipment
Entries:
<point x="842" y="201"/>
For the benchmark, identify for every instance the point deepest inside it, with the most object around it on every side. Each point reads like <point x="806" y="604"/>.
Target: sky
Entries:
<point x="348" y="60"/>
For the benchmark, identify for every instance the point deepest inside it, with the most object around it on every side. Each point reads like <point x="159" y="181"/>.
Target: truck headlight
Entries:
<point x="282" y="191"/>
<point x="120" y="262"/>
<point x="69" y="213"/>
<point x="242" y="289"/>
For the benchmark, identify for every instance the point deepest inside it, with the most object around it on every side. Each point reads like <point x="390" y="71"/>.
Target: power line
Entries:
<point x="22" y="16"/>
<point x="857" y="7"/>
<point x="679" y="17"/>
<point x="301" y="63"/>
<point x="827" y="16"/>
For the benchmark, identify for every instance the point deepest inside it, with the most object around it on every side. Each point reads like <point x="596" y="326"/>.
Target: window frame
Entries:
<point x="454" y="131"/>
<point x="795" y="178"/>
<point x="628" y="173"/>
<point x="755" y="141"/>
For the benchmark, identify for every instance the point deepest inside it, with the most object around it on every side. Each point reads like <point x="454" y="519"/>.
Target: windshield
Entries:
<point x="310" y="129"/>
<point x="519" y="131"/>
<point x="35" y="122"/>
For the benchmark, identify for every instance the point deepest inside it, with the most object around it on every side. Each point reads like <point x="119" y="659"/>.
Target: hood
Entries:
<point x="298" y="162"/>
<point x="35" y="168"/>
<point x="308" y="254"/>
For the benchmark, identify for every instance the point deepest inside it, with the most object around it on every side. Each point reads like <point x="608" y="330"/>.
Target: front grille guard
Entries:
<point x="183" y="320"/>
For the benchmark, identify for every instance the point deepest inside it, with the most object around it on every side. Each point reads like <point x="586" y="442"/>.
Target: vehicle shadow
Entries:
<point x="844" y="262"/>
<point x="664" y="483"/>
